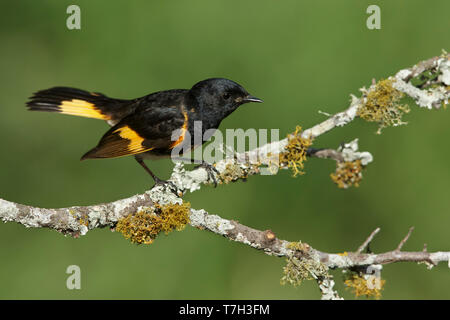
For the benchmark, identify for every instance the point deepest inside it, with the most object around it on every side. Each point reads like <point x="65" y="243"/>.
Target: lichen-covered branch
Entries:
<point x="380" y="103"/>
<point x="305" y="255"/>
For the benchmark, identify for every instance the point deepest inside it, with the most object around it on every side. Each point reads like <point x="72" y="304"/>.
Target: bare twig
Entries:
<point x="368" y="240"/>
<point x="326" y="154"/>
<point x="402" y="243"/>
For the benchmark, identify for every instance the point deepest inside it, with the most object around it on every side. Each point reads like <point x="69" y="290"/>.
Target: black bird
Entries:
<point x="144" y="127"/>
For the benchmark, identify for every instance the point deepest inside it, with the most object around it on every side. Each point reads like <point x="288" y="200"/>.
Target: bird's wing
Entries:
<point x="144" y="130"/>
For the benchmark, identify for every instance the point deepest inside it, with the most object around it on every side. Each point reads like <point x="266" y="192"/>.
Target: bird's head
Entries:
<point x="219" y="96"/>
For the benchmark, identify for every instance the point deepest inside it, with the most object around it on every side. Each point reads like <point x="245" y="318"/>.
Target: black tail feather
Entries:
<point x="78" y="102"/>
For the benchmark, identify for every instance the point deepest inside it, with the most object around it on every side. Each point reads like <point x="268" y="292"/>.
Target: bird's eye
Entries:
<point x="226" y="95"/>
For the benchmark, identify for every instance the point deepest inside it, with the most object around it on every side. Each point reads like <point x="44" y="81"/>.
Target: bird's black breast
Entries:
<point x="160" y="117"/>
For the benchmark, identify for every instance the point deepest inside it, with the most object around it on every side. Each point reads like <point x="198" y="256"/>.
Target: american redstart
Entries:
<point x="144" y="127"/>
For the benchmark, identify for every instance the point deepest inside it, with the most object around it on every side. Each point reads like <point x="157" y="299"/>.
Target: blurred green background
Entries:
<point x="300" y="57"/>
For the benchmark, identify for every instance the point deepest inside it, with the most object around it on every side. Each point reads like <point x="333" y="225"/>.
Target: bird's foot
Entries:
<point x="166" y="184"/>
<point x="210" y="170"/>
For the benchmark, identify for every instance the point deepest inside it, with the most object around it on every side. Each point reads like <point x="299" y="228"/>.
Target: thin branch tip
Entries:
<point x="402" y="243"/>
<point x="368" y="240"/>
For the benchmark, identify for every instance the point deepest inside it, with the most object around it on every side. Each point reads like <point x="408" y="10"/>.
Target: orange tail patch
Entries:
<point x="82" y="108"/>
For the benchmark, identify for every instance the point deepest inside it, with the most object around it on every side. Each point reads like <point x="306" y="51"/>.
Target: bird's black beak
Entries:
<point x="251" y="98"/>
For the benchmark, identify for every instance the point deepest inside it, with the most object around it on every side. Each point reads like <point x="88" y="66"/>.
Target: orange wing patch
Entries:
<point x="123" y="141"/>
<point x="182" y="133"/>
<point x="82" y="108"/>
<point x="135" y="140"/>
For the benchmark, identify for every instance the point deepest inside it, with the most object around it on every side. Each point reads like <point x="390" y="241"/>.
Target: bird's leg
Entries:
<point x="210" y="169"/>
<point x="157" y="180"/>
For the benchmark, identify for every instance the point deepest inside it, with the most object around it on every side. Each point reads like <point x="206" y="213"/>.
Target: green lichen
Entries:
<point x="146" y="224"/>
<point x="426" y="77"/>
<point x="382" y="105"/>
<point x="298" y="270"/>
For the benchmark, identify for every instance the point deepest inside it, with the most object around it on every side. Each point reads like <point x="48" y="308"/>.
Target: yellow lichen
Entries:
<point x="84" y="220"/>
<point x="381" y="105"/>
<point x="347" y="174"/>
<point x="298" y="246"/>
<point x="273" y="163"/>
<point x="236" y="171"/>
<point x="296" y="149"/>
<point x="145" y="225"/>
<point x="365" y="285"/>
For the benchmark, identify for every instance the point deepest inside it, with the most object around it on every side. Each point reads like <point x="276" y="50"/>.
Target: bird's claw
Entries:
<point x="167" y="184"/>
<point x="210" y="170"/>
